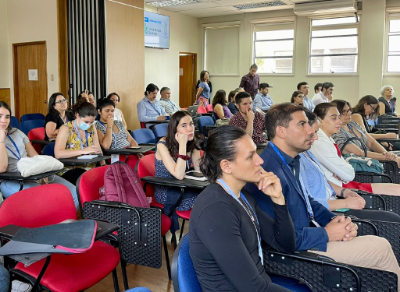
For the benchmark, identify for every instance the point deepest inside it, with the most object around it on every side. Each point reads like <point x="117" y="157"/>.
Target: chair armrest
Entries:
<point x="7" y="232"/>
<point x="369" y="177"/>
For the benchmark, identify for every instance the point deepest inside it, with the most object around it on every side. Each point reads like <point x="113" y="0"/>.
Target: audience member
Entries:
<point x="231" y="105"/>
<point x="386" y="103"/>
<point x="307" y="102"/>
<point x="317" y="88"/>
<point x="88" y="96"/>
<point x="351" y="129"/>
<point x="175" y="154"/>
<point x="248" y="120"/>
<point x="58" y="114"/>
<point x="149" y="108"/>
<point x="203" y="92"/>
<point x="208" y="82"/>
<point x="118" y="115"/>
<point x="112" y="134"/>
<point x="297" y="98"/>
<point x="325" y="95"/>
<point x="78" y="137"/>
<point x="221" y="111"/>
<point x="251" y="81"/>
<point x="15" y="145"/>
<point x="318" y="230"/>
<point x="226" y="225"/>
<point x="367" y="108"/>
<point x="326" y="194"/>
<point x="337" y="170"/>
<point x="263" y="100"/>
<point x="169" y="105"/>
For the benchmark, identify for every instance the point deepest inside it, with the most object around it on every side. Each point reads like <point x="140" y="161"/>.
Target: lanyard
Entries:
<point x="152" y="105"/>
<point x="18" y="157"/>
<point x="252" y="215"/>
<point x="392" y="106"/>
<point x="304" y="197"/>
<point x="114" y="137"/>
<point x="63" y="119"/>
<point x="361" y="141"/>
<point x="173" y="107"/>
<point x="79" y="136"/>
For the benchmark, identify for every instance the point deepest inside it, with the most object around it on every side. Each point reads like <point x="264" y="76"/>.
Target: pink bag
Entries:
<point x="122" y="184"/>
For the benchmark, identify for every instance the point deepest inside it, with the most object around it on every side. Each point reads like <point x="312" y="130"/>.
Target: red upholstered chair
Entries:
<point x="201" y="110"/>
<point x="87" y="188"/>
<point x="50" y="204"/>
<point x="210" y="108"/>
<point x="37" y="134"/>
<point x="146" y="167"/>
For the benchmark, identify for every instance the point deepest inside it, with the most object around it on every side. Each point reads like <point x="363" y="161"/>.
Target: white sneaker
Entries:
<point x="18" y="286"/>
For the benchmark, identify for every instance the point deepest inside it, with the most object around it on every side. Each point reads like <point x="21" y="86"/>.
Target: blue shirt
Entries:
<point x="148" y="111"/>
<point x="307" y="103"/>
<point x="206" y="90"/>
<point x="263" y="102"/>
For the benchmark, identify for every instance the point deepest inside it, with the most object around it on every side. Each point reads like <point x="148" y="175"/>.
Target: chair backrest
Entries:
<point x="210" y="108"/>
<point x="205" y="121"/>
<point x="26" y="126"/>
<point x="146" y="167"/>
<point x="89" y="183"/>
<point x="201" y="110"/>
<point x="183" y="274"/>
<point x="28" y="117"/>
<point x="38" y="206"/>
<point x="36" y="134"/>
<point x="14" y="122"/>
<point x="49" y="149"/>
<point x="160" y="131"/>
<point x="144" y="136"/>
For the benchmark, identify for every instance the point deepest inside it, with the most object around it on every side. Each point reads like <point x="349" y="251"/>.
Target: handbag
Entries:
<point x="363" y="164"/>
<point x="38" y="164"/>
<point x="222" y="122"/>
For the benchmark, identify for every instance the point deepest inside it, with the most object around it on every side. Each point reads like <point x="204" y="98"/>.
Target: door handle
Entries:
<point x="45" y="101"/>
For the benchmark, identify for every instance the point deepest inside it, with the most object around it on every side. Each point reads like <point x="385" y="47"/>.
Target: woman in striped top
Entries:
<point x="112" y="133"/>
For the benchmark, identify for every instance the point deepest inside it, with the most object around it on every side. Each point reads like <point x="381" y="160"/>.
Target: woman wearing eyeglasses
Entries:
<point x="57" y="116"/>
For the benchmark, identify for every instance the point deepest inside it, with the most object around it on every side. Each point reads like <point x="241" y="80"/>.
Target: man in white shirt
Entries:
<point x="169" y="105"/>
<point x="307" y="102"/>
<point x="325" y="95"/>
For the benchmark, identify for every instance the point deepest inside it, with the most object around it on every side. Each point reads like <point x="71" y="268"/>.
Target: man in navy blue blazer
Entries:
<point x="317" y="229"/>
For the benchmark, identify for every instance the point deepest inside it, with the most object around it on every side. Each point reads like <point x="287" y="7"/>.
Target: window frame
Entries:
<point x="390" y="16"/>
<point x="274" y="22"/>
<point x="333" y="27"/>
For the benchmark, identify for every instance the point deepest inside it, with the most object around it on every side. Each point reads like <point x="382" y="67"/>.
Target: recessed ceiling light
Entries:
<point x="172" y="3"/>
<point x="259" y="5"/>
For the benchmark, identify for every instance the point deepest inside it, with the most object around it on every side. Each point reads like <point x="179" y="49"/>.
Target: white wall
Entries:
<point x="28" y="21"/>
<point x="162" y="66"/>
<point x="349" y="87"/>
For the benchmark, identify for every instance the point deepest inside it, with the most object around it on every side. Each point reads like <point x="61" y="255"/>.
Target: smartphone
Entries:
<point x="134" y="147"/>
<point x="194" y="174"/>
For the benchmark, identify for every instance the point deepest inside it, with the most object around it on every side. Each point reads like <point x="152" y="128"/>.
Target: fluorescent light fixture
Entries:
<point x="172" y="3"/>
<point x="259" y="5"/>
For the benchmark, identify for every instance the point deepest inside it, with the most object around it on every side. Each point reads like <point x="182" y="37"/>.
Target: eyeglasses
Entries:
<point x="373" y="108"/>
<point x="346" y="112"/>
<point x="61" y="101"/>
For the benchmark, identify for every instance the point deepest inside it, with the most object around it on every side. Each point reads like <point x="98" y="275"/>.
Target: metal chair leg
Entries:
<point x="167" y="257"/>
<point x="115" y="280"/>
<point x="124" y="275"/>
<point x="182" y="227"/>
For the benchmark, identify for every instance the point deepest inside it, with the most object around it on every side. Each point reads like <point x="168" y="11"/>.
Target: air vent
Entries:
<point x="172" y="3"/>
<point x="260" y="5"/>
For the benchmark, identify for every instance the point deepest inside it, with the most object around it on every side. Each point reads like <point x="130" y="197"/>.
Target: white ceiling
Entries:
<point x="208" y="8"/>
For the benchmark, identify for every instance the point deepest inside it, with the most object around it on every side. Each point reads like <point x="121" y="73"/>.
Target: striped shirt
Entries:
<point x="120" y="139"/>
<point x="169" y="106"/>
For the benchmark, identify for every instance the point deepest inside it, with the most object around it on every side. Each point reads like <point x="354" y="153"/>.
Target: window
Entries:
<point x="393" y="53"/>
<point x="273" y="47"/>
<point x="222" y="49"/>
<point x="334" y="45"/>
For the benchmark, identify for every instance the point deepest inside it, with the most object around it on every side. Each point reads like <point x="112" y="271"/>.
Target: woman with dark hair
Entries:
<point x="231" y="105"/>
<point x="175" y="155"/>
<point x="15" y="145"/>
<point x="367" y="108"/>
<point x="149" y="108"/>
<point x="203" y="92"/>
<point x="221" y="111"/>
<point x="57" y="115"/>
<point x="337" y="170"/>
<point x="226" y="225"/>
<point x="88" y="95"/>
<point x="297" y="98"/>
<point x="351" y="129"/>
<point x="112" y="134"/>
<point x="118" y="115"/>
<point x="78" y="137"/>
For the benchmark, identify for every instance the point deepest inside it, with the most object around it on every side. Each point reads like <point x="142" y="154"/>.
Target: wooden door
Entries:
<point x="187" y="79"/>
<point x="30" y="78"/>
